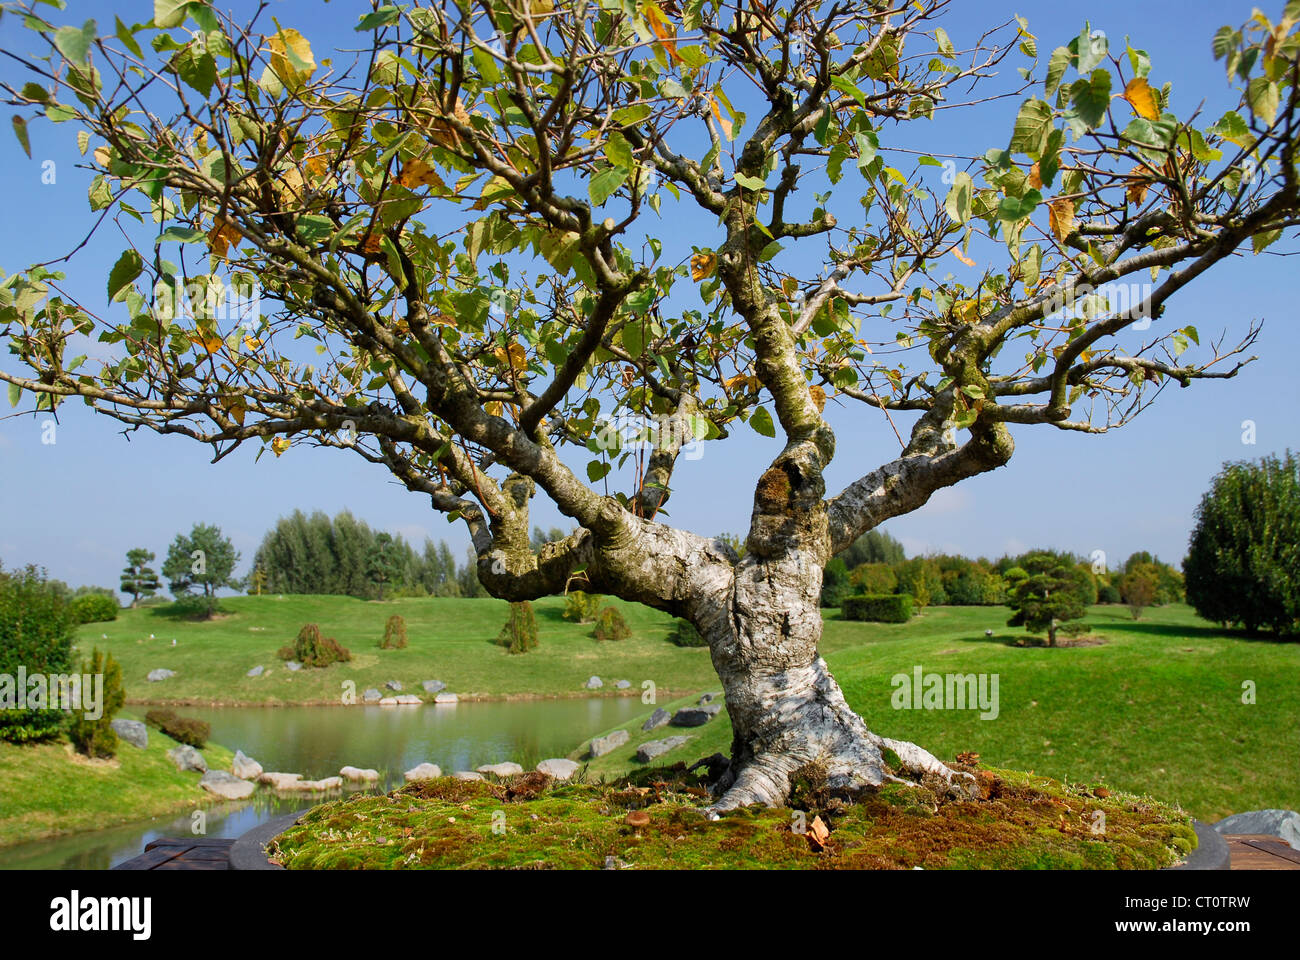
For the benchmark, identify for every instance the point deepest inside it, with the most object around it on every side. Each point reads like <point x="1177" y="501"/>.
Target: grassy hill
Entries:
<point x="1155" y="710"/>
<point x="450" y="640"/>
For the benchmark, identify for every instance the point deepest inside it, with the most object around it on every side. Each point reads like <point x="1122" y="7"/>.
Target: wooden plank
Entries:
<point x="1261" y="852"/>
<point x="151" y="859"/>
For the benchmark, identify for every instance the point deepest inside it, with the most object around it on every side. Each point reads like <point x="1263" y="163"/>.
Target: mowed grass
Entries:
<point x="47" y="789"/>
<point x="449" y="640"/>
<point x="1156" y="710"/>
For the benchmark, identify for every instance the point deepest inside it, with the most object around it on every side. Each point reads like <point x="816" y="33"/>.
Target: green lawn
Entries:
<point x="46" y="789"/>
<point x="1156" y="710"/>
<point x="450" y="640"/>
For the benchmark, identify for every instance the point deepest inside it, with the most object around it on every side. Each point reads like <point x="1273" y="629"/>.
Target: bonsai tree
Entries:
<point x="198" y="565"/>
<point x="138" y="578"/>
<point x="96" y="738"/>
<point x="311" y="649"/>
<point x="519" y="635"/>
<point x="1047" y="601"/>
<point x="463" y="220"/>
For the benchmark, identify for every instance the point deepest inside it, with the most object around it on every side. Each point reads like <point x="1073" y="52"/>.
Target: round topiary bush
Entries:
<point x="684" y="634"/>
<point x="581" y="607"/>
<point x="94" y="608"/>
<point x="610" y="625"/>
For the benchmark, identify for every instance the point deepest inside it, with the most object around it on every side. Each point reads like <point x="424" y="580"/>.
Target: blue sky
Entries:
<point x="75" y="506"/>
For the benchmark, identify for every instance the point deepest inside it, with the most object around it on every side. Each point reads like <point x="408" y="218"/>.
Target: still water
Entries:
<point x="317" y="741"/>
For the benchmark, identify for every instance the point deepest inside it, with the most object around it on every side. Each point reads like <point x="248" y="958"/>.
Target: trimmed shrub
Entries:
<point x="610" y="625"/>
<point x="879" y="608"/>
<point x="581" y="607"/>
<point x="94" y="608"/>
<point x="96" y="738"/>
<point x="874" y="578"/>
<point x="181" y="729"/>
<point x="394" y="633"/>
<point x="519" y="635"/>
<point x="1109" y="593"/>
<point x="313" y="650"/>
<point x="36" y="625"/>
<point x="684" y="634"/>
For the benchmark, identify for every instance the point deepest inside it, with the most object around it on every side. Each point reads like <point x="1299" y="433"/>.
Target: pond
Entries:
<point x="317" y="741"/>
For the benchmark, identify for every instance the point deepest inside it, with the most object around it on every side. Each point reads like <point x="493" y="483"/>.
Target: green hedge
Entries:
<point x="879" y="607"/>
<point x="94" y="608"/>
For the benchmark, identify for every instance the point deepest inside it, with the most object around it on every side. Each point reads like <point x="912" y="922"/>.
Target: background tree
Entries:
<point x="1138" y="588"/>
<point x="1243" y="560"/>
<point x="383" y="562"/>
<point x="36" y="632"/>
<point x="204" y="561"/>
<point x="465" y="231"/>
<point x="138" y="578"/>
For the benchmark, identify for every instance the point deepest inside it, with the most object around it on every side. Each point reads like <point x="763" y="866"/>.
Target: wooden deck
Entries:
<point x="1261" y="852"/>
<point x="184" y="853"/>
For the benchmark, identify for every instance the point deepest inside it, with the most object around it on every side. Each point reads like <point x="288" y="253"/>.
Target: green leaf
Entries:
<point x="124" y="34"/>
<point x="20" y="131"/>
<point x="943" y="44"/>
<point x="128" y="267"/>
<point x="1090" y="97"/>
<point x="750" y="183"/>
<point x="15" y="394"/>
<point x="181" y="235"/>
<point x="1033" y="126"/>
<point x="1262" y="98"/>
<point x="604" y="184"/>
<point x="197" y="69"/>
<point x="868" y="143"/>
<point x="619" y="151"/>
<point x="835" y="161"/>
<point x="385" y="16"/>
<point x="1093" y="47"/>
<point x="1017" y="208"/>
<point x="597" y="470"/>
<point x="169" y="13"/>
<point x="1056" y="64"/>
<point x="74" y="43"/>
<point x="958" y="202"/>
<point x="761" y="421"/>
<point x="1232" y="127"/>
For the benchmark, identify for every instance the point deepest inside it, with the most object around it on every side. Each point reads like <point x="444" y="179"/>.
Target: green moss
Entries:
<point x="1019" y="822"/>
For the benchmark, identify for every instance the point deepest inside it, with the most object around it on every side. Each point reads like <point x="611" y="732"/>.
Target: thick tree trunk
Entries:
<point x="763" y="625"/>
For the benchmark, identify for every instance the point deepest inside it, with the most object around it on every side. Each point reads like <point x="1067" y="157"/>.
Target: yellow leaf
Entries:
<point x="956" y="251"/>
<point x="237" y="411"/>
<point x="724" y="123"/>
<point x="317" y="166"/>
<point x="1141" y="98"/>
<point x="102" y="156"/>
<point x="1060" y="215"/>
<point x="702" y="265"/>
<point x="1035" y="177"/>
<point x="222" y="235"/>
<point x="818" y="397"/>
<point x="252" y="343"/>
<point x="516" y="356"/>
<point x="494" y="408"/>
<point x="209" y="343"/>
<point x="289" y="49"/>
<point x="279" y="445"/>
<point x="662" y="32"/>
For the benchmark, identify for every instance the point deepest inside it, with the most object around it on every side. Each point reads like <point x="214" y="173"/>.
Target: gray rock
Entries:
<point x="695" y="716"/>
<point x="160" y="674"/>
<point x="657" y="719"/>
<point x="187" y="758"/>
<point x="708" y="697"/>
<point x="446" y="698"/>
<point x="433" y="686"/>
<point x="226" y="785"/>
<point x="408" y="698"/>
<point x="278" y="781"/>
<point x="245" y="767"/>
<point x="657" y="748"/>
<point x="467" y="775"/>
<point x="558" y="768"/>
<point x="603" y="745"/>
<point x="132" y="731"/>
<point x="1284" y="824"/>
<point x="293" y="665"/>
<point x="623" y="684"/>
<point x="507" y="769"/>
<point x="425" y="771"/>
<point x="594" y="683"/>
<point x="372" y="696"/>
<point x="257" y="671"/>
<point x="358" y="775"/>
<point x="394" y="685"/>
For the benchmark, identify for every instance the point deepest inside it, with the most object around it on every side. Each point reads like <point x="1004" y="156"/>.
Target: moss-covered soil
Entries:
<point x="653" y="820"/>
